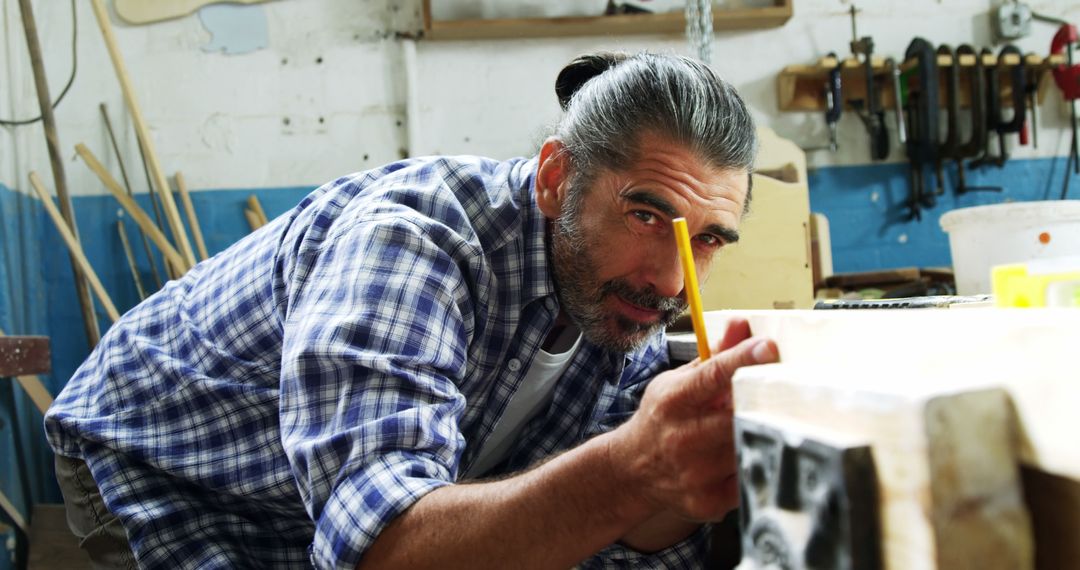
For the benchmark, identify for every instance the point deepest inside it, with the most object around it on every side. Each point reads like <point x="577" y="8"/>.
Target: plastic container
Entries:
<point x="984" y="236"/>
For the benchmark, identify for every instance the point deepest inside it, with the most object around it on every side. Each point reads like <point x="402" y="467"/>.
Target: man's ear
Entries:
<point x="552" y="177"/>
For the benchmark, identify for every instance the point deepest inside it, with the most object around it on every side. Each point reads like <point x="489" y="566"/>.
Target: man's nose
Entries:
<point x="665" y="273"/>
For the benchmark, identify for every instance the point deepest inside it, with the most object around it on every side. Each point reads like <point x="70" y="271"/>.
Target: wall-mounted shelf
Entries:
<point x="802" y="87"/>
<point x="621" y="24"/>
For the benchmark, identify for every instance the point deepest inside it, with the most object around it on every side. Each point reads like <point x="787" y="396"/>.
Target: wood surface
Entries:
<point x="21" y="355"/>
<point x="253" y="219"/>
<point x="130" y="257"/>
<point x="870" y="361"/>
<point x="257" y="209"/>
<point x="73" y="246"/>
<point x="172" y="215"/>
<point x="133" y="209"/>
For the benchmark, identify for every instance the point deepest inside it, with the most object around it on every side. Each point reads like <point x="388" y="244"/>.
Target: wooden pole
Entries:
<point x="193" y="221"/>
<point x="90" y="324"/>
<point x="171" y="213"/>
<point x="137" y="213"/>
<point x="129" y="255"/>
<point x="127" y="186"/>
<point x="256" y="207"/>
<point x="74" y="247"/>
<point x="253" y="219"/>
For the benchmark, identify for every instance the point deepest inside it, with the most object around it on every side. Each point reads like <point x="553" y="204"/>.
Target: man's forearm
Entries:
<point x="552" y="516"/>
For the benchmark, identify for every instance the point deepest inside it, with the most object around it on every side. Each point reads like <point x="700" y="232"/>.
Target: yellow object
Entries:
<point x="1044" y="283"/>
<point x="693" y="294"/>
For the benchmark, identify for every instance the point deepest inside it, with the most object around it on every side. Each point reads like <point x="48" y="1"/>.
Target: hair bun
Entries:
<point x="580" y="71"/>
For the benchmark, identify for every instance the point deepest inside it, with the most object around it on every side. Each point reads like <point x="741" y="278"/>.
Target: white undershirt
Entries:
<point x="532" y="396"/>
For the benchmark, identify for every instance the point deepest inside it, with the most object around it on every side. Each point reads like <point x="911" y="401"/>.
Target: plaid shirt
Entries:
<point x="284" y="401"/>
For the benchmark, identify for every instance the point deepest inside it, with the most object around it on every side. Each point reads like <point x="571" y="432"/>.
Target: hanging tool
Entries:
<point x="922" y="140"/>
<point x="1018" y="92"/>
<point x="977" y="141"/>
<point x="1067" y="78"/>
<point x="834" y="101"/>
<point x="898" y="100"/>
<point x="869" y="109"/>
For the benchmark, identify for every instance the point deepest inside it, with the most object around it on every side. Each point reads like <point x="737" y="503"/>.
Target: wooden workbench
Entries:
<point x="971" y="415"/>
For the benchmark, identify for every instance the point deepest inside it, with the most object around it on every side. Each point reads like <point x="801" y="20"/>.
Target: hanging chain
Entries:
<point x="699" y="31"/>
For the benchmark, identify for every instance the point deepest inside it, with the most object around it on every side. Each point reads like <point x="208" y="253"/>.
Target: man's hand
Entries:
<point x="680" y="442"/>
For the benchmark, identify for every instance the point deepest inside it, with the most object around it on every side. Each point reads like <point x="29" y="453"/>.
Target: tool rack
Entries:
<point x="801" y="87"/>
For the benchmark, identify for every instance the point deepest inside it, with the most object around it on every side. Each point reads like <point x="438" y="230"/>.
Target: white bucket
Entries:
<point x="984" y="236"/>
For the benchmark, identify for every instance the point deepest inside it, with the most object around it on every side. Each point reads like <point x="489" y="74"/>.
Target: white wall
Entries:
<point x="221" y="118"/>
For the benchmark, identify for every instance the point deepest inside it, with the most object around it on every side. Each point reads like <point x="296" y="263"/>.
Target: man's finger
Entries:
<point x="713" y="377"/>
<point x="738" y="330"/>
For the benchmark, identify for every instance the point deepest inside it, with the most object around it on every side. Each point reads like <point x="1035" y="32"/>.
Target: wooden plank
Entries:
<point x="253" y="219"/>
<point x="666" y="23"/>
<point x="802" y="87"/>
<point x="21" y="355"/>
<point x="257" y="209"/>
<point x="75" y="249"/>
<point x="33" y="385"/>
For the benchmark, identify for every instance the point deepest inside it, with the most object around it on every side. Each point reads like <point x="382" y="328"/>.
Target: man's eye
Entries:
<point x="644" y="217"/>
<point x="710" y="240"/>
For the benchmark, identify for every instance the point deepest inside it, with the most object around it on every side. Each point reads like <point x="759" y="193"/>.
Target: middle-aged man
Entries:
<point x="446" y="362"/>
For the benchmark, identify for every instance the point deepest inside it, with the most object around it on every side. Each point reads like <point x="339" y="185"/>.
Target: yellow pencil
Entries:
<point x="693" y="295"/>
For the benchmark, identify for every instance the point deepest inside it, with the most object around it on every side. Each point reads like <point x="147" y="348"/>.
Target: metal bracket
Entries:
<point x="807" y="501"/>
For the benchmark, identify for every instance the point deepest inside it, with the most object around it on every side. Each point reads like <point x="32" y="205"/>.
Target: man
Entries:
<point x="445" y="362"/>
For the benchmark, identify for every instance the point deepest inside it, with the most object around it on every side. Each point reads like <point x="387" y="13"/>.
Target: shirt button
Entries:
<point x="514" y="365"/>
<point x="550" y="304"/>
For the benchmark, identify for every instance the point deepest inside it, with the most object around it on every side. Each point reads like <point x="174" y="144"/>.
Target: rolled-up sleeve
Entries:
<point x="689" y="554"/>
<point x="376" y="334"/>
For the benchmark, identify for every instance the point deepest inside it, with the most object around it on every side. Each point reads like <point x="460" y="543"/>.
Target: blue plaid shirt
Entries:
<point x="284" y="401"/>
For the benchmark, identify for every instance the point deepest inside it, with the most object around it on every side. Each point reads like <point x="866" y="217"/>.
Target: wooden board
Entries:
<point x="770" y="266"/>
<point x="147" y="11"/>
<point x="21" y="355"/>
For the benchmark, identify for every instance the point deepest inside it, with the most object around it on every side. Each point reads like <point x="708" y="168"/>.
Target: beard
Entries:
<point x="582" y="295"/>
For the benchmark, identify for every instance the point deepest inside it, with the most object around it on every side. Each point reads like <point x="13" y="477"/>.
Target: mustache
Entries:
<point x="646" y="298"/>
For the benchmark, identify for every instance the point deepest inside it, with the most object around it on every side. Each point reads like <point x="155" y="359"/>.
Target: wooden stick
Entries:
<point x="127" y="186"/>
<point x="171" y="212"/>
<point x="256" y="207"/>
<point x="129" y="255"/>
<point x="90" y="324"/>
<point x="137" y="213"/>
<point x="253" y="219"/>
<point x="193" y="221"/>
<point x="35" y="388"/>
<point x="74" y="247"/>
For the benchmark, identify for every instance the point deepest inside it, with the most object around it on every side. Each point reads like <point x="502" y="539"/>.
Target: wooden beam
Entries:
<point x="257" y="209"/>
<point x="172" y="215"/>
<point x="56" y="161"/>
<point x="74" y="247"/>
<point x="24" y="355"/>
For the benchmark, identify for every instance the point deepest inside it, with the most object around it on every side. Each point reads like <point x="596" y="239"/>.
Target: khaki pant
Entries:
<point x="99" y="532"/>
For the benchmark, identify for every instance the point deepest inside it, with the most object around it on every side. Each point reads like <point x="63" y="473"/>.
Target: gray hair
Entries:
<point x="611" y="99"/>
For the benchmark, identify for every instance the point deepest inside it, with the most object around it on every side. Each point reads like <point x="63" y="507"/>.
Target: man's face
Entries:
<point x="614" y="255"/>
